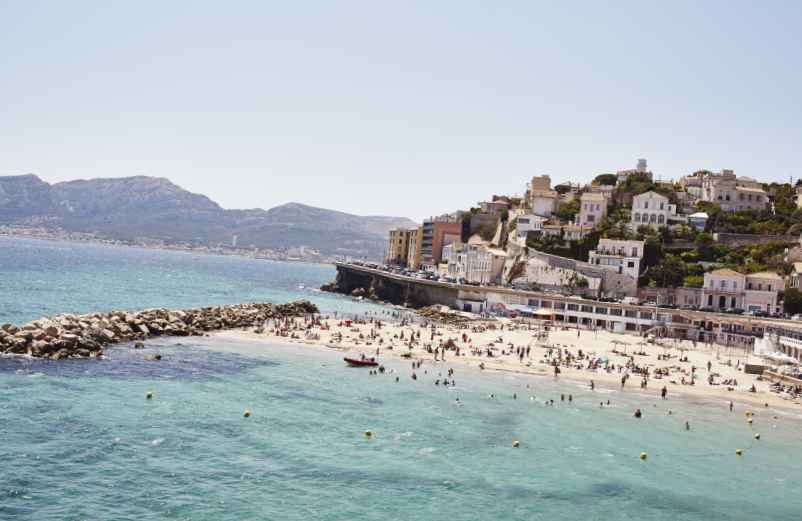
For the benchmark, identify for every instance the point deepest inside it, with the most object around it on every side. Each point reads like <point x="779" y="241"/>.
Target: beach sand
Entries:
<point x="363" y="338"/>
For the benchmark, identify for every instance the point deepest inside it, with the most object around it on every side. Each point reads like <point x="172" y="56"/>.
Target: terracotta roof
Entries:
<point x="765" y="275"/>
<point x="651" y="192"/>
<point x="726" y="272"/>
<point x="749" y="189"/>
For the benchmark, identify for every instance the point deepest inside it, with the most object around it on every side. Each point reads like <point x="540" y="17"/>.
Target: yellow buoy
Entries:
<point x="748" y="414"/>
<point x="738" y="452"/>
<point x="516" y="444"/>
<point x="368" y="434"/>
<point x="247" y="413"/>
<point x="149" y="396"/>
<point x="749" y="421"/>
<point x="757" y="436"/>
<point x="643" y="455"/>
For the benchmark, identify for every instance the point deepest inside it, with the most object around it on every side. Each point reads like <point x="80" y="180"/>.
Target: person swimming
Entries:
<point x="638" y="413"/>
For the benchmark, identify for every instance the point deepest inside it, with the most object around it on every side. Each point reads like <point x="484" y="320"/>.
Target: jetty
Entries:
<point x="85" y="336"/>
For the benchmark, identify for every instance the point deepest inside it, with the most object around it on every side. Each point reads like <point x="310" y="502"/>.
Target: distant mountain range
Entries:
<point x="144" y="208"/>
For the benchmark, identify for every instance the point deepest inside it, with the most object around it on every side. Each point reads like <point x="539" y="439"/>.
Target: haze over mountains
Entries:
<point x="143" y="209"/>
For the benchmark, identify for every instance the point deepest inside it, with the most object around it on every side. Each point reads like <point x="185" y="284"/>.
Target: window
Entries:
<point x="769" y="287"/>
<point x="723" y="284"/>
<point x="652" y="218"/>
<point x="630" y="264"/>
<point x="634" y="252"/>
<point x="661" y="206"/>
<point x="661" y="219"/>
<point x="637" y="217"/>
<point x="646" y="204"/>
<point x="573" y="307"/>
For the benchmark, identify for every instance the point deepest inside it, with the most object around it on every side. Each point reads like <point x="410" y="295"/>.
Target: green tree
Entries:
<point x="704" y="245"/>
<point x="606" y="179"/>
<point x="566" y="211"/>
<point x="693" y="281"/>
<point x="792" y="301"/>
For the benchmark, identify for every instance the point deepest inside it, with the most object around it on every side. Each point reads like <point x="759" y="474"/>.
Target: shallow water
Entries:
<point x="81" y="441"/>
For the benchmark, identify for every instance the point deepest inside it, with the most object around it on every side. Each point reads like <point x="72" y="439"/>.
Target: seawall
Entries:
<point x="391" y="288"/>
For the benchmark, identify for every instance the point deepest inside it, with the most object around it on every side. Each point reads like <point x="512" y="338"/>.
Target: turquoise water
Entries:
<point x="39" y="278"/>
<point x="80" y="441"/>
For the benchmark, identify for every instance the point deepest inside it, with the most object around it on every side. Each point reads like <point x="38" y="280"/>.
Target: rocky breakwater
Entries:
<point x="85" y="336"/>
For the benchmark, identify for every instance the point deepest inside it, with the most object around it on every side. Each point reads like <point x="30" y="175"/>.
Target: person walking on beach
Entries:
<point x="663" y="392"/>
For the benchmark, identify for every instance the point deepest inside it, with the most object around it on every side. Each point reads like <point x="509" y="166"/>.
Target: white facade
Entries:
<point x="592" y="208"/>
<point x="728" y="289"/>
<point x="621" y="256"/>
<point x="651" y="209"/>
<point x="733" y="193"/>
<point x="543" y="202"/>
<point x="474" y="263"/>
<point x="528" y="223"/>
<point x="698" y="220"/>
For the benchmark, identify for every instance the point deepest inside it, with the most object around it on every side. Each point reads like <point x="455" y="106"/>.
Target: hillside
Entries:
<point x="147" y="208"/>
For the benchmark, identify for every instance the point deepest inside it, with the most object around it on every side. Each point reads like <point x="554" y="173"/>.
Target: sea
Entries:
<point x="80" y="441"/>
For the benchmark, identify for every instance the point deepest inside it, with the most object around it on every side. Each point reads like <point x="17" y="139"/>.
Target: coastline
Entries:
<point x="533" y="367"/>
<point x="166" y="248"/>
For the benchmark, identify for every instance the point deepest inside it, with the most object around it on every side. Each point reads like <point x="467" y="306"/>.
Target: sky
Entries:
<point x="396" y="108"/>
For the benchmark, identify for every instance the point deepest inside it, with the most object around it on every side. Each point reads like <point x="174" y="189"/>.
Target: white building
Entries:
<point x="733" y="193"/>
<point x="474" y="263"/>
<point x="622" y="256"/>
<point x="652" y="209"/>
<point x="541" y="198"/>
<point x="698" y="221"/>
<point x="728" y="289"/>
<point x="592" y="208"/>
<point x="568" y="232"/>
<point x="528" y="223"/>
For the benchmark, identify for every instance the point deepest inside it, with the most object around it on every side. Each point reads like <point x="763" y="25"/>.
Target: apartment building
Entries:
<point x="621" y="256"/>
<point x="733" y="193"/>
<point x="652" y="209"/>
<point x="592" y="209"/>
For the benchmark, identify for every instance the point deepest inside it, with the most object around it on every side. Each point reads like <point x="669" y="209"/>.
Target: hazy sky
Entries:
<point x="396" y="108"/>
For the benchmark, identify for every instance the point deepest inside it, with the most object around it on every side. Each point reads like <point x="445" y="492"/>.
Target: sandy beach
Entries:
<point x="528" y="348"/>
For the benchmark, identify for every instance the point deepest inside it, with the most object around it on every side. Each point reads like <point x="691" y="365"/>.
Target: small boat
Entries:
<point x="356" y="362"/>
